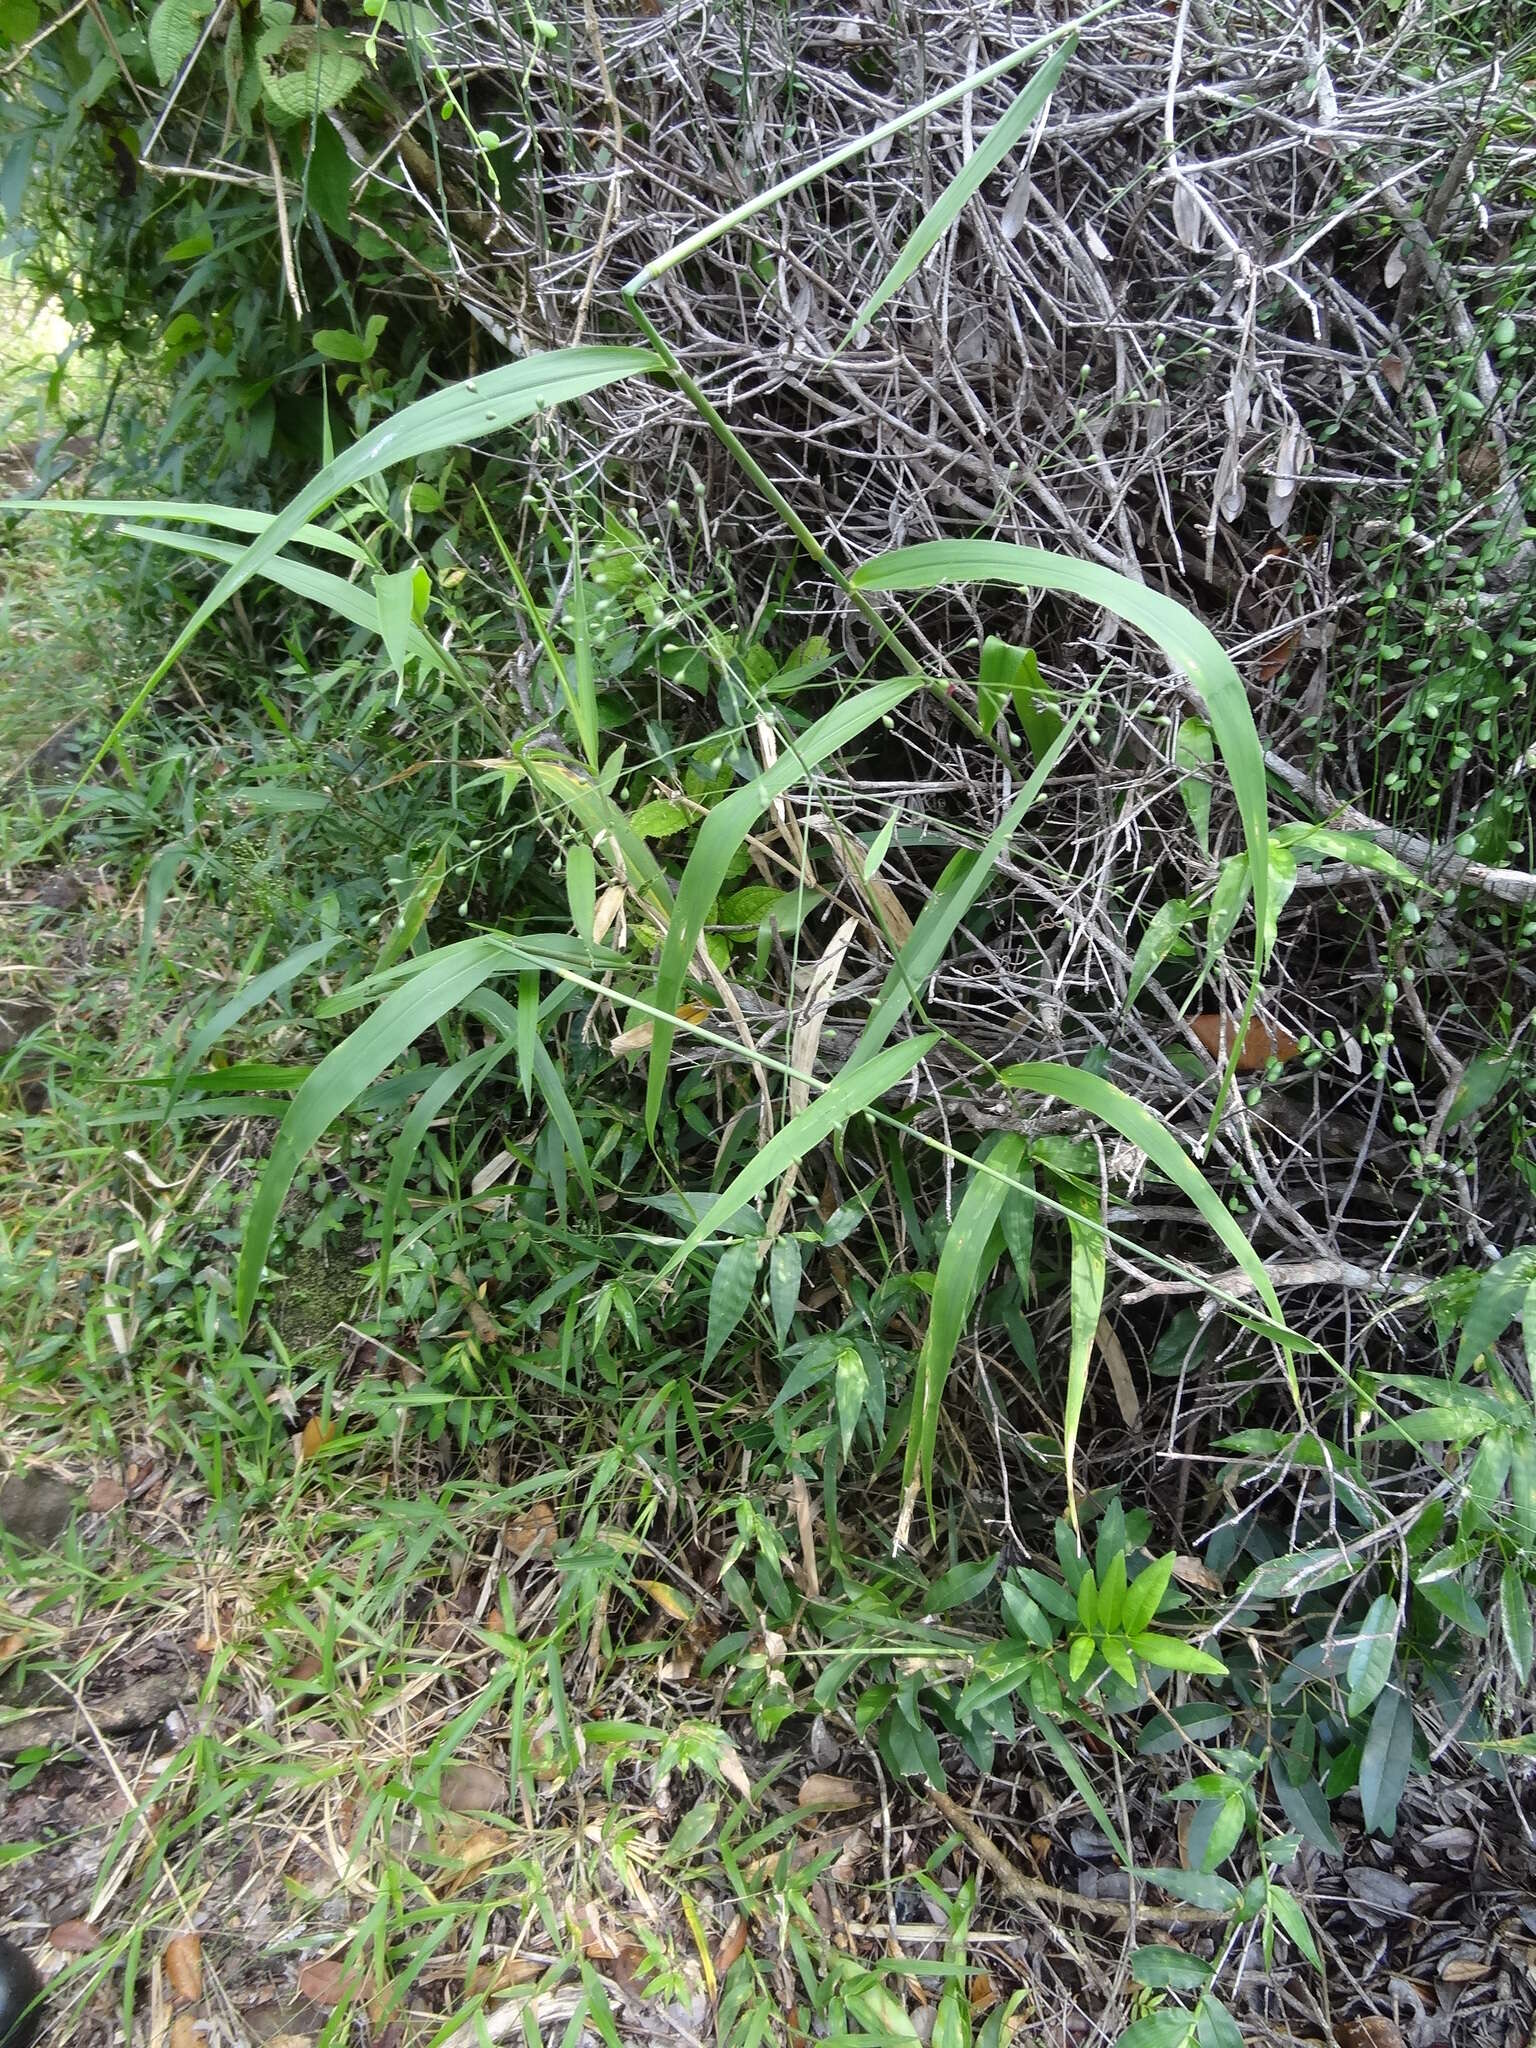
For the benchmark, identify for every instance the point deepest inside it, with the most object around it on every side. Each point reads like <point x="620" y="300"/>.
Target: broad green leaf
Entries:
<point x="172" y="35"/>
<point x="721" y="838"/>
<point x="730" y="1293"/>
<point x="1169" y="2027"/>
<point x="1215" y="2026"/>
<point x="1195" y="750"/>
<point x="1385" y="1760"/>
<point x="959" y="887"/>
<point x="880" y="846"/>
<point x="581" y="887"/>
<point x="1112" y="1594"/>
<point x="784" y="1262"/>
<point x="951" y="202"/>
<point x="1162" y="934"/>
<point x="443" y="980"/>
<point x="1370" y="1661"/>
<point x="1313" y="844"/>
<point x="1017" y="1218"/>
<point x="1171" y="1653"/>
<point x="1163" y="1968"/>
<point x="660" y="818"/>
<point x="1305" y="1806"/>
<point x="1291" y="1917"/>
<point x="827" y="1112"/>
<point x="1282" y="880"/>
<point x="472" y="410"/>
<point x="1498" y="1300"/>
<point x="401" y="599"/>
<point x="416" y="908"/>
<point x="850" y="1384"/>
<point x="1145" y="1594"/>
<point x="1234" y="883"/>
<point x="1085" y="1295"/>
<point x="1515" y="1618"/>
<point x="961" y="1584"/>
<point x="1194" y="1887"/>
<point x="1189" y="645"/>
<point x="332" y="66"/>
<point x="961" y="1274"/>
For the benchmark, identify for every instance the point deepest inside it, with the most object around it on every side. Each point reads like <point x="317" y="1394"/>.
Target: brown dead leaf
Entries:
<point x="1372" y="2030"/>
<point x="1186" y="1820"/>
<point x="732" y="1944"/>
<point x="983" y="1994"/>
<point x="74" y="1937"/>
<point x="183" y="1963"/>
<point x="805" y="1524"/>
<point x="327" y="1981"/>
<point x="1261" y="1043"/>
<point x="829" y="1794"/>
<point x="467" y="1850"/>
<point x="1112" y="1351"/>
<point x="12" y="1646"/>
<point x="854" y="1854"/>
<point x="734" y="1771"/>
<point x="1394" y="372"/>
<point x="1278" y="657"/>
<point x="472" y="1788"/>
<point x="638" y="1036"/>
<point x="187" y="2032"/>
<point x="505" y="1974"/>
<point x="1463" y="1970"/>
<point x="106" y="1494"/>
<point x="481" y="1321"/>
<point x="533" y="1533"/>
<point x="1189" y="1571"/>
<point x="313" y="1435"/>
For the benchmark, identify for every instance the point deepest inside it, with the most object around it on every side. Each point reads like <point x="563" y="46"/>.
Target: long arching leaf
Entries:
<point x="721" y="837"/>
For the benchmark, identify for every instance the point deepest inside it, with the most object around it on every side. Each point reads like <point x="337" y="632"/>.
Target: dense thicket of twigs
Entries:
<point x="1196" y="328"/>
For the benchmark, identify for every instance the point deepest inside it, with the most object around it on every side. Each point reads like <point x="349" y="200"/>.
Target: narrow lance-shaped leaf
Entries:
<point x="721" y="837"/>
<point x="956" y="1284"/>
<point x="233" y="517"/>
<point x="472" y="409"/>
<point x="951" y="202"/>
<point x="841" y="1099"/>
<point x="1085" y="1294"/>
<point x="1189" y="645"/>
<point x="444" y="980"/>
<point x="939" y="919"/>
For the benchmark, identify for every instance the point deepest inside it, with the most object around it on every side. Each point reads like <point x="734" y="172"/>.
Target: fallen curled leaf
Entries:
<point x="105" y="1495"/>
<point x="1189" y="1571"/>
<point x="667" y="1598"/>
<point x="313" y="1435"/>
<point x="505" y="1974"/>
<point x="1394" y="372"/>
<point x="734" y="1771"/>
<point x="532" y="1533"/>
<point x="467" y="1851"/>
<point x="1463" y="1970"/>
<point x="1372" y="2030"/>
<point x="187" y="2032"/>
<point x="1277" y="658"/>
<point x="1261" y="1042"/>
<point x="1112" y="1351"/>
<point x="327" y="1981"/>
<point x="830" y="1794"/>
<point x="74" y="1937"/>
<point x="983" y="1994"/>
<point x="638" y="1036"/>
<point x="183" y="1963"/>
<point x="732" y="1943"/>
<point x="472" y="1788"/>
<point x="12" y="1646"/>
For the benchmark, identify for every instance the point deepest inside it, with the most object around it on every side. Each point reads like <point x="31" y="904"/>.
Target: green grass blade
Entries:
<point x="940" y="917"/>
<point x="841" y="1099"/>
<point x="1086" y="1300"/>
<point x="244" y="1000"/>
<point x="443" y="981"/>
<point x="428" y="1105"/>
<point x="961" y="1275"/>
<point x="1111" y="1105"/>
<point x="353" y="602"/>
<point x="470" y="410"/>
<point x="568" y="784"/>
<point x="1191" y="647"/>
<point x="721" y="837"/>
<point x="952" y="201"/>
<point x="233" y="517"/>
